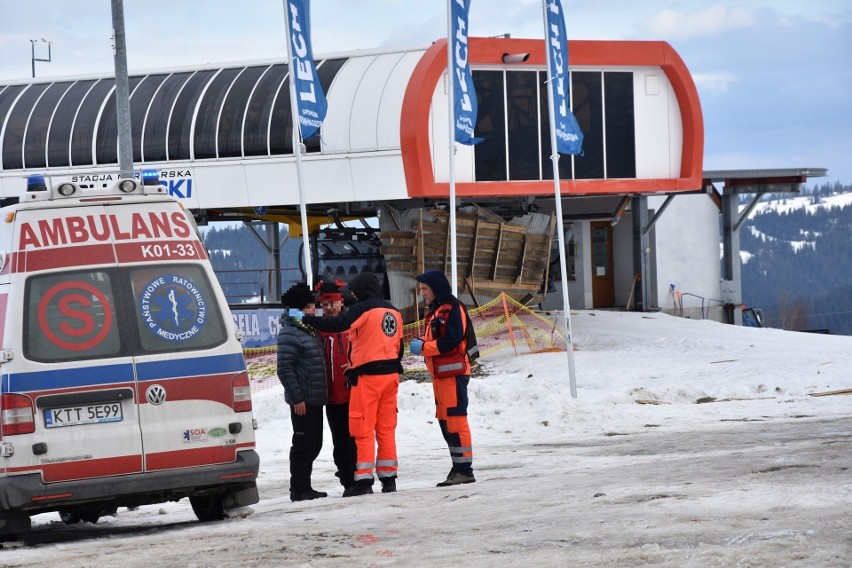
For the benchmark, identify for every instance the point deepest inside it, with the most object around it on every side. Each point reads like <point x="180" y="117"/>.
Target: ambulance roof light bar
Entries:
<point x="39" y="187"/>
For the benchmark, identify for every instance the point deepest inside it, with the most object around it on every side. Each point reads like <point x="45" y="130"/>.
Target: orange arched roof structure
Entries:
<point x="414" y="127"/>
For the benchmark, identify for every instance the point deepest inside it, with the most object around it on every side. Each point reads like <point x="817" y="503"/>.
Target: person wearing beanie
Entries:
<point x="445" y="346"/>
<point x="336" y="348"/>
<point x="375" y="355"/>
<point x="302" y="372"/>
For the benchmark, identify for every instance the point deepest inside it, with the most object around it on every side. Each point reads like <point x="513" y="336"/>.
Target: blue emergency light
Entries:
<point x="150" y="177"/>
<point x="35" y="182"/>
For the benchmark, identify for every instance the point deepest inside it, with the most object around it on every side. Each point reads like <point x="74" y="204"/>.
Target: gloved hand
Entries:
<point x="416" y="346"/>
<point x="296" y="314"/>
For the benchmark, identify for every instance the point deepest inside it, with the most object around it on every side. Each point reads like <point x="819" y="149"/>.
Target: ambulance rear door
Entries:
<point x="192" y="384"/>
<point x="72" y="370"/>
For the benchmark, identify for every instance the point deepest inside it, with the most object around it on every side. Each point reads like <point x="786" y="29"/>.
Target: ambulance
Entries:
<point x="122" y="378"/>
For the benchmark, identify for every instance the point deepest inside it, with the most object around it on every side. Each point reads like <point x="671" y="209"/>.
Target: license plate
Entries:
<point x="85" y="414"/>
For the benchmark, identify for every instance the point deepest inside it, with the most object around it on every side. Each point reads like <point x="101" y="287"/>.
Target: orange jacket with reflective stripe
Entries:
<point x="375" y="335"/>
<point x="445" y="347"/>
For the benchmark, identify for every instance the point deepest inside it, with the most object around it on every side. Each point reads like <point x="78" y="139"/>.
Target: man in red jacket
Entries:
<point x="336" y="346"/>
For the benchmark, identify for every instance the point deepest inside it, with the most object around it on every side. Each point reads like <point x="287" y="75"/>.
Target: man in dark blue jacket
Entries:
<point x="302" y="371"/>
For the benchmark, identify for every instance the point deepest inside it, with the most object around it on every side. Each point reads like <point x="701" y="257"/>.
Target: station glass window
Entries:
<point x="35" y="145"/>
<point x="139" y="103"/>
<point x="522" y="114"/>
<point x="13" y="139"/>
<point x="234" y="109"/>
<point x="59" y="142"/>
<point x="83" y="131"/>
<point x="204" y="136"/>
<point x="281" y="125"/>
<point x="106" y="143"/>
<point x="620" y="125"/>
<point x="565" y="165"/>
<point x="490" y="154"/>
<point x="156" y="125"/>
<point x="256" y="132"/>
<point x="180" y="123"/>
<point x="588" y="109"/>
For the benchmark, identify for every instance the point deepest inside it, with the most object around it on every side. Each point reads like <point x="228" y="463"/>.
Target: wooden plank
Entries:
<point x="496" y="258"/>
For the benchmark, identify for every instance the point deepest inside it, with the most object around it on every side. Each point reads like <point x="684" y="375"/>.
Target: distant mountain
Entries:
<point x="797" y="259"/>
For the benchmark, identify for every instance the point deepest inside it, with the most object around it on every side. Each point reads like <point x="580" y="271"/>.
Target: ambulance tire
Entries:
<point x="70" y="516"/>
<point x="77" y="515"/>
<point x="209" y="507"/>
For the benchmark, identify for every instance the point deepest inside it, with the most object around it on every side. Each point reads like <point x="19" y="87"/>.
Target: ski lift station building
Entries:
<point x="642" y="218"/>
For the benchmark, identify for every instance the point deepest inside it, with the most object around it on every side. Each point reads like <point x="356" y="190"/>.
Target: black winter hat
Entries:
<point x="298" y="296"/>
<point x="366" y="286"/>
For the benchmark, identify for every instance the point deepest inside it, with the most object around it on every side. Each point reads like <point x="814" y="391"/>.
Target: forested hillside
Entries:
<point x="797" y="254"/>
<point x="242" y="263"/>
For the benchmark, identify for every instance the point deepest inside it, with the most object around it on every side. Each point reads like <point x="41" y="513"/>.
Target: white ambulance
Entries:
<point x="122" y="380"/>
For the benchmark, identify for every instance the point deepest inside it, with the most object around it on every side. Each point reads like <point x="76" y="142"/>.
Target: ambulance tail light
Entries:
<point x="242" y="393"/>
<point x="17" y="416"/>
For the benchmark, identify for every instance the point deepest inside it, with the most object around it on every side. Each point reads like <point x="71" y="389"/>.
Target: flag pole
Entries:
<point x="452" y="148"/>
<point x="554" y="158"/>
<point x="297" y="151"/>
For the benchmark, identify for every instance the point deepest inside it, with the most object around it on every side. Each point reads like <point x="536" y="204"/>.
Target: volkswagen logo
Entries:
<point x="156" y="395"/>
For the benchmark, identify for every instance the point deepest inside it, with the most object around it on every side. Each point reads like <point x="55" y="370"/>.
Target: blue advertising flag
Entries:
<point x="309" y="96"/>
<point x="464" y="96"/>
<point x="569" y="137"/>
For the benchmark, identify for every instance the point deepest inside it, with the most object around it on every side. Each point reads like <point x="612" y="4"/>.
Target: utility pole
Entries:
<point x="122" y="92"/>
<point x="33" y="43"/>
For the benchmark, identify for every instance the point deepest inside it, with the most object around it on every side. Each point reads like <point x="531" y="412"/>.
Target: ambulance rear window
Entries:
<point x="175" y="309"/>
<point x="72" y="315"/>
<point x="104" y="313"/>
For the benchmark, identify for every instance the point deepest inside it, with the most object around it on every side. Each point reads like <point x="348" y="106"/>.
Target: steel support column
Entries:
<point x="639" y="211"/>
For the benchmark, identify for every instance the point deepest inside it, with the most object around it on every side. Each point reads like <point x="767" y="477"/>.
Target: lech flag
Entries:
<point x="464" y="96"/>
<point x="309" y="96"/>
<point x="569" y="137"/>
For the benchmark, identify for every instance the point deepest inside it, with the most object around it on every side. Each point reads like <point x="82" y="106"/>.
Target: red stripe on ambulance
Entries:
<point x="82" y="469"/>
<point x="64" y="257"/>
<point x="189" y="458"/>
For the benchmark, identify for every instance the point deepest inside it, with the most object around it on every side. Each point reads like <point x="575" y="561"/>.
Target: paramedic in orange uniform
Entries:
<point x="444" y="347"/>
<point x="375" y="355"/>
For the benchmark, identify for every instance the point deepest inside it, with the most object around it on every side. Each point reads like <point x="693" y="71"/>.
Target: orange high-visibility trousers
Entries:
<point x="372" y="420"/>
<point x="451" y="412"/>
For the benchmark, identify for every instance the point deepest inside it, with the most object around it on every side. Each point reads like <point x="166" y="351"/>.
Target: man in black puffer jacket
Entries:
<point x="302" y="371"/>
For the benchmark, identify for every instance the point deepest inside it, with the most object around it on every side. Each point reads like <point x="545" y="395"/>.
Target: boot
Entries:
<point x="388" y="484"/>
<point x="307" y="495"/>
<point x="457" y="478"/>
<point x="360" y="487"/>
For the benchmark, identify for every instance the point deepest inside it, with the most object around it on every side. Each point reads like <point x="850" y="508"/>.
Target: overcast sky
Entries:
<point x="774" y="76"/>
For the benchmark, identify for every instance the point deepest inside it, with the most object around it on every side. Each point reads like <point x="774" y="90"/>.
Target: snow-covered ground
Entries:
<point x="691" y="443"/>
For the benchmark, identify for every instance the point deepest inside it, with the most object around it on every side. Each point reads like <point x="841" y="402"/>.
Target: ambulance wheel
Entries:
<point x="209" y="507"/>
<point x="70" y="516"/>
<point x="77" y="515"/>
